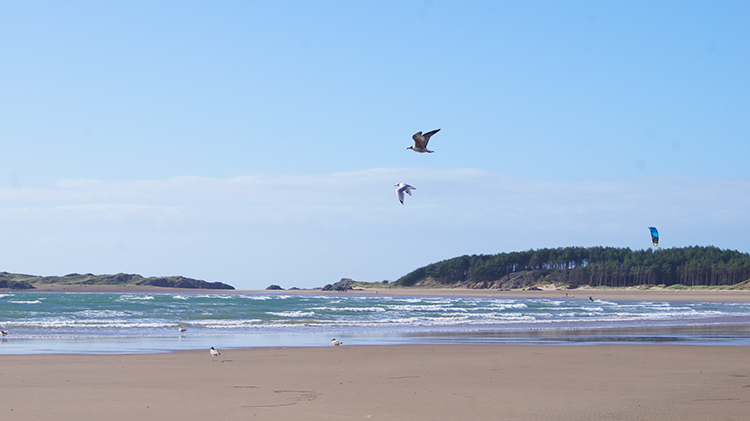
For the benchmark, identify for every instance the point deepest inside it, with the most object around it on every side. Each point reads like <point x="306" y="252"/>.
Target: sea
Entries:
<point x="126" y="323"/>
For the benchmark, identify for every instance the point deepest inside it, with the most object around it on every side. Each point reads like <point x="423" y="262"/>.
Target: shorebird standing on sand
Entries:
<point x="421" y="140"/>
<point x="335" y="342"/>
<point x="403" y="187"/>
<point x="214" y="353"/>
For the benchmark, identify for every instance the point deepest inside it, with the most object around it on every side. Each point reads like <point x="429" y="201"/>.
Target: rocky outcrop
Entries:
<point x="345" y="284"/>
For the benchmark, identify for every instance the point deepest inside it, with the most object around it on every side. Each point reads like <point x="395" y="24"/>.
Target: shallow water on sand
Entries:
<point x="141" y="322"/>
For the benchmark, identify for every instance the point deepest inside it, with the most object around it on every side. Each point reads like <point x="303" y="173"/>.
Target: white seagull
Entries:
<point x="403" y="187"/>
<point x="182" y="329"/>
<point x="214" y="353"/>
<point x="421" y="140"/>
<point x="335" y="342"/>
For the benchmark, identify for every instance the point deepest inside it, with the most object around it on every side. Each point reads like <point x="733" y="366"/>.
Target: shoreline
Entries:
<point x="416" y="382"/>
<point x="738" y="296"/>
<point x="725" y="328"/>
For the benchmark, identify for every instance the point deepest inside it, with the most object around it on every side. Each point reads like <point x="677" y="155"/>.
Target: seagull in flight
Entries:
<point x="403" y="187"/>
<point x="214" y="353"/>
<point x="4" y="332"/>
<point x="182" y="329"/>
<point x="421" y="140"/>
<point x="335" y="342"/>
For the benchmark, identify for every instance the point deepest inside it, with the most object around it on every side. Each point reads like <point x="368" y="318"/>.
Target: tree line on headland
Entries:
<point x="593" y="266"/>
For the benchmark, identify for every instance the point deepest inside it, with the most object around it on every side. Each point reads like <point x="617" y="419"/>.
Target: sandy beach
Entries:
<point x="730" y="296"/>
<point x="395" y="382"/>
<point x="738" y="296"/>
<point x="414" y="382"/>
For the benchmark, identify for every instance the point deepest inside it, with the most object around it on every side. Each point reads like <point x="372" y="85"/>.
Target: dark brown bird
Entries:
<point x="421" y="140"/>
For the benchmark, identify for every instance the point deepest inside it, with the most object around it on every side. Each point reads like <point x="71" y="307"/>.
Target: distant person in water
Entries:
<point x="591" y="299"/>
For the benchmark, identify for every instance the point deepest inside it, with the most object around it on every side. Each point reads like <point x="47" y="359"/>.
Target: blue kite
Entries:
<point x="654" y="236"/>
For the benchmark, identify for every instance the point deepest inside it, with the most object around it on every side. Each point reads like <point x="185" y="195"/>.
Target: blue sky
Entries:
<point x="258" y="143"/>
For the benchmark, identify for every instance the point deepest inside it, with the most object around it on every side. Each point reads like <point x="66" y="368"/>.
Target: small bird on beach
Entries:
<point x="4" y="332"/>
<point x="403" y="187"/>
<point x="335" y="342"/>
<point x="421" y="140"/>
<point x="214" y="353"/>
<point x="182" y="329"/>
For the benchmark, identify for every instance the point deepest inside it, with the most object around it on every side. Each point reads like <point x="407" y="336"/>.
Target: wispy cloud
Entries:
<point x="308" y="230"/>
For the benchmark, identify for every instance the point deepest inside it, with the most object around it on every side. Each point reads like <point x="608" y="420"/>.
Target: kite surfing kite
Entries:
<point x="654" y="236"/>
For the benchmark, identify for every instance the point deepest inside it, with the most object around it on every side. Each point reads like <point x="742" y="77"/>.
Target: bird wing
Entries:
<point x="427" y="136"/>
<point x="400" y="193"/>
<point x="419" y="140"/>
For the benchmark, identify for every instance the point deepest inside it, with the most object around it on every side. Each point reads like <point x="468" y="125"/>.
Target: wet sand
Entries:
<point x="413" y="382"/>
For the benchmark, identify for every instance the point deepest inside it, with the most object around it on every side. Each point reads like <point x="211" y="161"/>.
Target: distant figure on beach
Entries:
<point x="335" y="342"/>
<point x="214" y="353"/>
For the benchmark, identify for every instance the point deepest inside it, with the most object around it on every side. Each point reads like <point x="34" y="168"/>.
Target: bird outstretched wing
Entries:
<point x="426" y="137"/>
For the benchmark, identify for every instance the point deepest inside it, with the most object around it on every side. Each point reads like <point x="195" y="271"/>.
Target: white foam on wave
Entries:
<point x="291" y="313"/>
<point x="429" y="300"/>
<point x="265" y="297"/>
<point x="219" y="296"/>
<point x="257" y="297"/>
<point x="227" y="324"/>
<point x="351" y="309"/>
<point x="421" y="307"/>
<point x="104" y="313"/>
<point x="134" y="297"/>
<point x="505" y="306"/>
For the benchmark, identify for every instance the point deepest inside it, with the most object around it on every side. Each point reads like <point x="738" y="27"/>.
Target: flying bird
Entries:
<point x="335" y="342"/>
<point x="182" y="329"/>
<point x="403" y="187"/>
<point x="214" y="353"/>
<point x="421" y="140"/>
<point x="4" y="332"/>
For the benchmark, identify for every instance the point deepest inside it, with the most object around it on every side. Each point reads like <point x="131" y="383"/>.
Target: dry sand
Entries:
<point x="739" y="296"/>
<point x="653" y="294"/>
<point x="413" y="382"/>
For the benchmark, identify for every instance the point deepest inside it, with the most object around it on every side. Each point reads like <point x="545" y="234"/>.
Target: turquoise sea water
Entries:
<point x="134" y="323"/>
